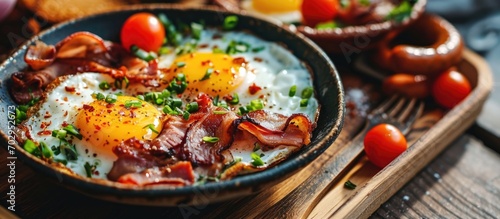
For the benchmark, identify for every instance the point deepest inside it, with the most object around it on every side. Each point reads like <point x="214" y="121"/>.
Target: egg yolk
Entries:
<point x="269" y="6"/>
<point x="210" y="73"/>
<point x="105" y="125"/>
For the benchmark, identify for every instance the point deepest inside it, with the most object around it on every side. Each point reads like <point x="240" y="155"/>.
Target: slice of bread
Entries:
<point x="55" y="11"/>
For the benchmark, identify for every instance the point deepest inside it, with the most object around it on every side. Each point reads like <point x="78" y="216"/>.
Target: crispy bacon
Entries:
<point x="77" y="53"/>
<point x="295" y="132"/>
<point x="212" y="125"/>
<point x="178" y="174"/>
<point x="80" y="45"/>
<point x="182" y="140"/>
<point x="40" y="55"/>
<point x="132" y="158"/>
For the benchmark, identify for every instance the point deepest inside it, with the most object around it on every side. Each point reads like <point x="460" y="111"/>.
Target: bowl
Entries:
<point x="327" y="86"/>
<point x="345" y="40"/>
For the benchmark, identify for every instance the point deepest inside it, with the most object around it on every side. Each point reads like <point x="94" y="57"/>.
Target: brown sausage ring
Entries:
<point x="431" y="45"/>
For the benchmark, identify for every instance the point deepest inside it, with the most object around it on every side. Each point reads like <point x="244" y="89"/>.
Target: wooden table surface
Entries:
<point x="462" y="182"/>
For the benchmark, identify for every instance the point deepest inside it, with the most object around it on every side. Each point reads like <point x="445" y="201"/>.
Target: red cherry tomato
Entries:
<point x="450" y="88"/>
<point x="383" y="143"/>
<point x="317" y="11"/>
<point x="143" y="30"/>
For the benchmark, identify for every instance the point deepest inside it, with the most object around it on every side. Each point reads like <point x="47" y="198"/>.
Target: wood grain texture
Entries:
<point x="464" y="182"/>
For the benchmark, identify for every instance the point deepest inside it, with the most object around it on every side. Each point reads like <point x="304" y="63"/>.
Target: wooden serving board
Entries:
<point x="315" y="191"/>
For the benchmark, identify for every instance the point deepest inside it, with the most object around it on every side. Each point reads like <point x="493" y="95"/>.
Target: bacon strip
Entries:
<point x="132" y="158"/>
<point x="178" y="174"/>
<point x="80" y="52"/>
<point x="40" y="55"/>
<point x="296" y="132"/>
<point x="212" y="125"/>
<point x="182" y="140"/>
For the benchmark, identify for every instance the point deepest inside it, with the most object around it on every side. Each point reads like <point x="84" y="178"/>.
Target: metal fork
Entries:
<point x="398" y="111"/>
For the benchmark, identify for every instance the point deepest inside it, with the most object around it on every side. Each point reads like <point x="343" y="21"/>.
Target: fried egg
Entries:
<point x="287" y="11"/>
<point x="102" y="125"/>
<point x="257" y="70"/>
<point x="264" y="65"/>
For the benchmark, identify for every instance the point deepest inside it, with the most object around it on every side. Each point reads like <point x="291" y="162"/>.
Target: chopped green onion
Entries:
<point x="307" y="93"/>
<point x="400" y="12"/>
<point x="326" y="25"/>
<point x="133" y="104"/>
<point x="217" y="50"/>
<point x="207" y="74"/>
<point x="196" y="30"/>
<point x="61" y="134"/>
<point x="243" y="110"/>
<point x="256" y="160"/>
<point x="230" y="22"/>
<point x="46" y="152"/>
<point x="69" y="151"/>
<point x="185" y="115"/>
<point x="140" y="97"/>
<point x="209" y="139"/>
<point x="127" y="82"/>
<point x="181" y="64"/>
<point x="304" y="102"/>
<point x="165" y="94"/>
<point x="89" y="169"/>
<point x="237" y="47"/>
<point x="164" y="50"/>
<point x="152" y="128"/>
<point x="164" y="19"/>
<point x="70" y="129"/>
<point x="257" y="104"/>
<point x="176" y="102"/>
<point x="104" y="85"/>
<point x="64" y="162"/>
<point x="159" y="101"/>
<point x="142" y="54"/>
<point x="56" y="150"/>
<point x="30" y="146"/>
<point x="218" y="112"/>
<point x="258" y="49"/>
<point x="178" y="84"/>
<point x="235" y="99"/>
<point x="293" y="90"/>
<point x="23" y="108"/>
<point x="111" y="98"/>
<point x="192" y="107"/>
<point x="20" y="116"/>
<point x="215" y="101"/>
<point x="349" y="185"/>
<point x="167" y="110"/>
<point x="100" y="96"/>
<point x="149" y="96"/>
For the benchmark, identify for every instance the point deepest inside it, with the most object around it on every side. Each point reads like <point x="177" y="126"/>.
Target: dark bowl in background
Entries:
<point x="327" y="85"/>
<point x="346" y="40"/>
